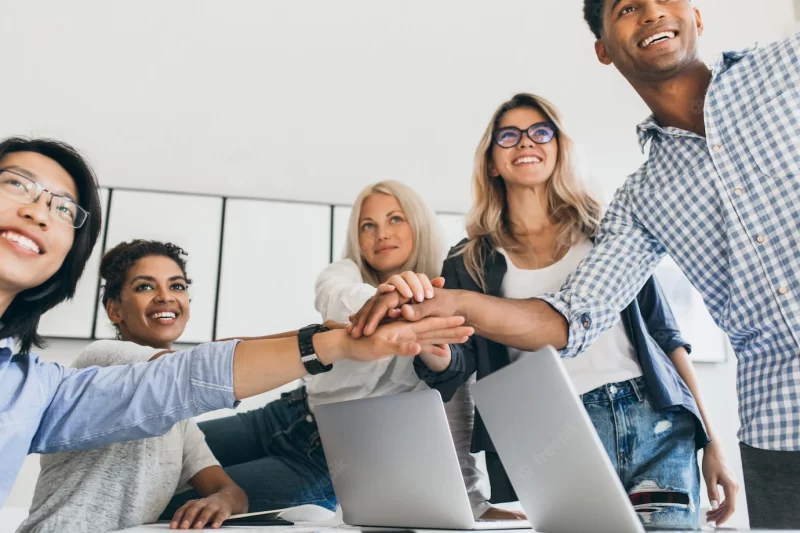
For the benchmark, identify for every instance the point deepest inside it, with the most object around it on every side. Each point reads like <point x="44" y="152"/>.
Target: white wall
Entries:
<point x="310" y="100"/>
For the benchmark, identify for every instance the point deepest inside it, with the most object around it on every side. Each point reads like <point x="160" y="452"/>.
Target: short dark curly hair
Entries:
<point x="593" y="15"/>
<point x="116" y="262"/>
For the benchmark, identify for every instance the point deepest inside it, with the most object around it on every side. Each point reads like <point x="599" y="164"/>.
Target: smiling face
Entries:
<point x="384" y="234"/>
<point x="153" y="306"/>
<point x="33" y="245"/>
<point x="527" y="164"/>
<point x="649" y="40"/>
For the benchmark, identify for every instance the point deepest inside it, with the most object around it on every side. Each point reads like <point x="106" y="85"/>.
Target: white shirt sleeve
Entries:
<point x="111" y="352"/>
<point x="340" y="291"/>
<point x="197" y="455"/>
<point x="461" y="417"/>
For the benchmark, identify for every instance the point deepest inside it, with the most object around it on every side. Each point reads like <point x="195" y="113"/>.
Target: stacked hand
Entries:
<point x="411" y="298"/>
<point x="409" y="338"/>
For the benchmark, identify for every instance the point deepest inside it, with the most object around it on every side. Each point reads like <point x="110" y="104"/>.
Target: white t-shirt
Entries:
<point x="610" y="359"/>
<point x="121" y="485"/>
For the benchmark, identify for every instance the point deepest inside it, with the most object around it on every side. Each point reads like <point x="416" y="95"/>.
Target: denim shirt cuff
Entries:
<point x="430" y="376"/>
<point x="212" y="374"/>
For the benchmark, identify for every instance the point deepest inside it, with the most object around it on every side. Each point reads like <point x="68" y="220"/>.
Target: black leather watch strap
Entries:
<point x="307" y="354"/>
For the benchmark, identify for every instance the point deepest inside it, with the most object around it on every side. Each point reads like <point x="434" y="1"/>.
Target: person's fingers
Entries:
<point x="383" y="288"/>
<point x="361" y="318"/>
<point x="402" y="284"/>
<point x="190" y="513"/>
<point x="205" y="515"/>
<point x="711" y="487"/>
<point x="386" y="348"/>
<point x="438" y="282"/>
<point x="394" y="313"/>
<point x="427" y="288"/>
<point x="178" y="516"/>
<point x="444" y="340"/>
<point x="415" y="284"/>
<point x="716" y="517"/>
<point x="730" y="488"/>
<point x="418" y="311"/>
<point x="434" y="323"/>
<point x="222" y="515"/>
<point x="447" y="333"/>
<point x="376" y="314"/>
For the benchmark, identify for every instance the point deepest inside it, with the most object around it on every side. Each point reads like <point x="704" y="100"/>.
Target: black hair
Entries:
<point x="593" y="15"/>
<point x="21" y="319"/>
<point x="116" y="262"/>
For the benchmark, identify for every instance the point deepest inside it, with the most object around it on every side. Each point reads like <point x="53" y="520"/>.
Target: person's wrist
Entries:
<point x="329" y="345"/>
<point x="436" y="363"/>
<point x="461" y="303"/>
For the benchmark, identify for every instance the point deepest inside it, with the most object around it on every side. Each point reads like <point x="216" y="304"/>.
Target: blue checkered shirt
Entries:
<point x="726" y="207"/>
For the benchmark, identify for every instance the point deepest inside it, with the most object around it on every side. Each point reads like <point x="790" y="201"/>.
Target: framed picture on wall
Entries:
<point x="709" y="343"/>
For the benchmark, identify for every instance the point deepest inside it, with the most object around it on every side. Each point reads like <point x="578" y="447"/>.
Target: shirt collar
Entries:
<point x="7" y="344"/>
<point x="649" y="127"/>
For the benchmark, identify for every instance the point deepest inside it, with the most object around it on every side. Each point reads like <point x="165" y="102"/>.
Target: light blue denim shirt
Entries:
<point x="47" y="408"/>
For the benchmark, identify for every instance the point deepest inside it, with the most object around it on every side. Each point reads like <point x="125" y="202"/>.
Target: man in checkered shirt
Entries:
<point x="720" y="194"/>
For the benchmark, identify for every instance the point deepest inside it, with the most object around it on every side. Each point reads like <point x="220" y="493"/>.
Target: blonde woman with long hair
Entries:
<point x="531" y="224"/>
<point x="275" y="452"/>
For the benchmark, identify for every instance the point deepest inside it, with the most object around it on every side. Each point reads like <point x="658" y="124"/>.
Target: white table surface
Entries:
<point x="310" y="527"/>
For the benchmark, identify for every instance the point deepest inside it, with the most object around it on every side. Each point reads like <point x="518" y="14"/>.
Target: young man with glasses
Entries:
<point x="719" y="193"/>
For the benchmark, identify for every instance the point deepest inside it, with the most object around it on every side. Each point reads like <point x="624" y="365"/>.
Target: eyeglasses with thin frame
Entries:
<point x="26" y="191"/>
<point x="510" y="136"/>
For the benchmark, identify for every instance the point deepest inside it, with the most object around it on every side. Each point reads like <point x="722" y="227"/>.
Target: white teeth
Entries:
<point x="658" y="36"/>
<point x="22" y="241"/>
<point x="523" y="160"/>
<point x="167" y="314"/>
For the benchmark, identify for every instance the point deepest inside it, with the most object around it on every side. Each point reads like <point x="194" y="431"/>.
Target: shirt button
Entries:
<point x="586" y="324"/>
<point x="717" y="148"/>
<point x="761" y="239"/>
<point x="738" y="191"/>
<point x="309" y="418"/>
<point x="612" y="389"/>
<point x="784" y="290"/>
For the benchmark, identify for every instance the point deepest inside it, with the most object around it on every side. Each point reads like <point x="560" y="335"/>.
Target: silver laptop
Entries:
<point x="550" y="449"/>
<point x="393" y="464"/>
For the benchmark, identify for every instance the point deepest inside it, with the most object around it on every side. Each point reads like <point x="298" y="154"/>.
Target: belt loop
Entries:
<point x="636" y="390"/>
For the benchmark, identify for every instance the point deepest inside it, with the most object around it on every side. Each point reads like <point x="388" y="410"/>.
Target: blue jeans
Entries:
<point x="273" y="453"/>
<point x="652" y="451"/>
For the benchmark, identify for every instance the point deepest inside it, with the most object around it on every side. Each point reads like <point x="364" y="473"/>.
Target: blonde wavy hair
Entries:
<point x="570" y="204"/>
<point x="429" y="250"/>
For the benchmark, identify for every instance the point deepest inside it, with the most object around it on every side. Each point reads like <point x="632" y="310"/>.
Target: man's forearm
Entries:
<point x="522" y="324"/>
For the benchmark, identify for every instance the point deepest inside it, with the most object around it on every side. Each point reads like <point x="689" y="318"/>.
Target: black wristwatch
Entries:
<point x="307" y="354"/>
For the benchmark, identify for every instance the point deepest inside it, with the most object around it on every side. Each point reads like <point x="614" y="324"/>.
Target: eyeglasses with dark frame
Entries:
<point x="510" y="136"/>
<point x="26" y="191"/>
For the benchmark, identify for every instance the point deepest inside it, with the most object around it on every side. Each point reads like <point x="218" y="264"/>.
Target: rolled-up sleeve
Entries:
<point x="96" y="406"/>
<point x="608" y="278"/>
<point x="340" y="291"/>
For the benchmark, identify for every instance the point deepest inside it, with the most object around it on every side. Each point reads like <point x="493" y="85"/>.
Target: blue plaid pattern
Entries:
<point x="725" y="207"/>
